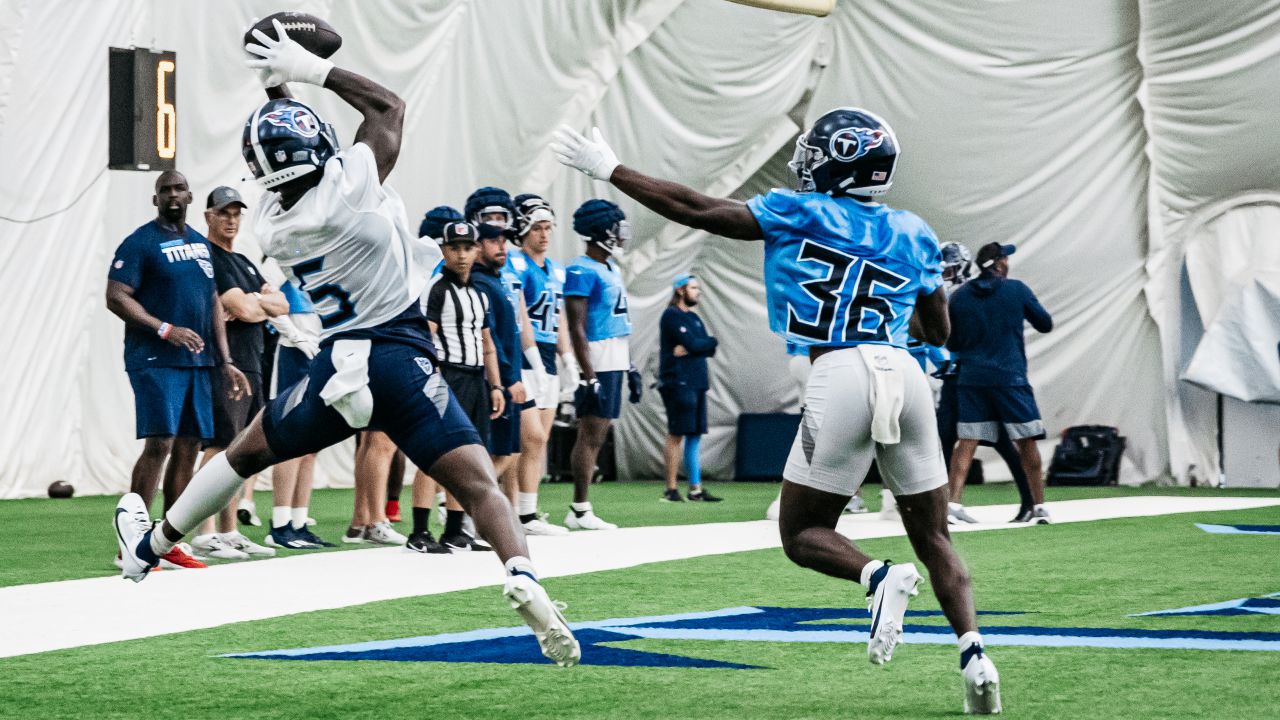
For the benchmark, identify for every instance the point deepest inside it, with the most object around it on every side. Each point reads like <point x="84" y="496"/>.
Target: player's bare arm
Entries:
<point x="383" y="113"/>
<point x="930" y="323"/>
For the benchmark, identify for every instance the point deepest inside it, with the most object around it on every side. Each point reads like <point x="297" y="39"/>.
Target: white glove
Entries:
<point x="284" y="60"/>
<point x="309" y="347"/>
<point x="296" y="336"/>
<point x="571" y="376"/>
<point x="534" y="358"/>
<point x="593" y="157"/>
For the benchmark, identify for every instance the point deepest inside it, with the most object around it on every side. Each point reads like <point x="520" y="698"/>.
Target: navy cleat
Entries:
<point x="286" y="537"/>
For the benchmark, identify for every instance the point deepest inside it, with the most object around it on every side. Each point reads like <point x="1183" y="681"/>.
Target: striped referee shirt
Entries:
<point x="460" y="313"/>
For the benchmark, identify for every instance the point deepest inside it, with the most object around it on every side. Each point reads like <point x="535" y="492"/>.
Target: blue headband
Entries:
<point x="681" y="280"/>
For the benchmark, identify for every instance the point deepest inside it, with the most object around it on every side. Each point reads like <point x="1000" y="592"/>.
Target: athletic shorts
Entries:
<point x="412" y="404"/>
<point x="833" y="448"/>
<point x="544" y="395"/>
<point x="686" y="409"/>
<point x="504" y="430"/>
<point x="291" y="365"/>
<point x="982" y="410"/>
<point x="608" y="404"/>
<point x="232" y="416"/>
<point x="173" y="401"/>
<point x="472" y="391"/>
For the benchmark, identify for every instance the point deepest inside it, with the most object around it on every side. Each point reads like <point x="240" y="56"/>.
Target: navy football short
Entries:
<point x="504" y="430"/>
<point x="232" y="416"/>
<point x="982" y="410"/>
<point x="291" y="366"/>
<point x="412" y="404"/>
<point x="173" y="401"/>
<point x="686" y="409"/>
<point x="608" y="404"/>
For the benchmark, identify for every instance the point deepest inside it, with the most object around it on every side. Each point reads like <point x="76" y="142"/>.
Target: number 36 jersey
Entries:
<point x="841" y="272"/>
<point x="347" y="244"/>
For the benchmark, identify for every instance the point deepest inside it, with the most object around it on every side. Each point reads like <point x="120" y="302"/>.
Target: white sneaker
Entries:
<point x="888" y="605"/>
<point x="981" y="685"/>
<point x="856" y="506"/>
<point x="383" y="534"/>
<point x="956" y="514"/>
<point x="888" y="506"/>
<point x="775" y="509"/>
<point x="131" y="523"/>
<point x="212" y="545"/>
<point x="544" y="617"/>
<point x="1040" y="516"/>
<point x="542" y="527"/>
<point x="358" y="539"/>
<point x="247" y="513"/>
<point x="589" y="521"/>
<point x="245" y="545"/>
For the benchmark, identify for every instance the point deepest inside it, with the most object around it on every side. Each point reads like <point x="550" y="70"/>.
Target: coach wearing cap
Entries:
<point x="684" y="346"/>
<point x="987" y="316"/>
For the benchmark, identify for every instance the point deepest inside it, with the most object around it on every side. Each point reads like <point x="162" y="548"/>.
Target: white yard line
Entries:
<point x="74" y="613"/>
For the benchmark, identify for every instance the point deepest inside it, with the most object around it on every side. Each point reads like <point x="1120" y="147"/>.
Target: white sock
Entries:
<point x="581" y="507"/>
<point x="209" y="491"/>
<point x="280" y="515"/>
<point x="868" y="570"/>
<point x="298" y="516"/>
<point x="521" y="565"/>
<point x="526" y="503"/>
<point x="886" y="499"/>
<point x="160" y="545"/>
<point x="970" y="638"/>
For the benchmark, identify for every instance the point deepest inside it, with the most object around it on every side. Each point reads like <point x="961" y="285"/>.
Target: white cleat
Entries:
<point x="544" y="617"/>
<point x="981" y="685"/>
<point x="212" y="545"/>
<point x="131" y="523"/>
<point x="245" y="545"/>
<point x="888" y="506"/>
<point x="956" y="514"/>
<point x="1040" y="516"/>
<point x="888" y="606"/>
<point x="247" y="514"/>
<point x="856" y="506"/>
<point x="538" y="526"/>
<point x="383" y="534"/>
<point x="589" y="521"/>
<point x="775" y="509"/>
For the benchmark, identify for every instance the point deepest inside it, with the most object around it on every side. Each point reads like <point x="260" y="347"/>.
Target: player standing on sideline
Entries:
<point x="599" y="326"/>
<point x="542" y="282"/>
<point x="333" y="225"/>
<point x="161" y="284"/>
<point x="684" y="346"/>
<point x="843" y="275"/>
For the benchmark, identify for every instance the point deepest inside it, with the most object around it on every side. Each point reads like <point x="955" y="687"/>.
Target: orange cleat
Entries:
<point x="393" y="510"/>
<point x="178" y="559"/>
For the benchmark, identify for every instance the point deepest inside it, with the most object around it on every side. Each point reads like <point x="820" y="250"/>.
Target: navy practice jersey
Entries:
<point x="601" y="284"/>
<point x="840" y="272"/>
<point x="172" y="278"/>
<point x="543" y="293"/>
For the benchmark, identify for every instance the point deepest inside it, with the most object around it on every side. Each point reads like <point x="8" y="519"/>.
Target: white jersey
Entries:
<point x="347" y="243"/>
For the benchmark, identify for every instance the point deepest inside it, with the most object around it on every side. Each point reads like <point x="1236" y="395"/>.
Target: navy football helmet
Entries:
<point x="531" y="209"/>
<point x="285" y="140"/>
<point x="487" y="200"/>
<point x="603" y="223"/>
<point x="848" y="151"/>
<point x="436" y="219"/>
<point x="957" y="260"/>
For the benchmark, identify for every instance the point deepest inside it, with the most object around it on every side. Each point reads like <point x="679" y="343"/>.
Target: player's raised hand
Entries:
<point x="283" y="60"/>
<point x="592" y="156"/>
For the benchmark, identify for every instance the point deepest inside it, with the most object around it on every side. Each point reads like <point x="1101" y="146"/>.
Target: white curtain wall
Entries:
<point x="1128" y="147"/>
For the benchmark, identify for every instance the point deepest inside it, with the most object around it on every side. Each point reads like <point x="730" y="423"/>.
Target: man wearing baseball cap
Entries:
<point x="684" y="346"/>
<point x="987" y="316"/>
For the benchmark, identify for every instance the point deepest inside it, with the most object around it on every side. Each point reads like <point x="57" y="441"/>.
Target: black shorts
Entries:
<point x="232" y="416"/>
<point x="472" y="391"/>
<point x="686" y="409"/>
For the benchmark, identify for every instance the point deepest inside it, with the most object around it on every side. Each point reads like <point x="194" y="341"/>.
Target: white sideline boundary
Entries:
<point x="75" y="613"/>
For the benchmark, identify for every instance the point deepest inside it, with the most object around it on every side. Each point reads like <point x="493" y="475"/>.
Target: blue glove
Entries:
<point x="635" y="384"/>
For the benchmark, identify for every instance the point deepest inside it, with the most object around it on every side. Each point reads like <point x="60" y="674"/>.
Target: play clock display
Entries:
<point x="143" y="109"/>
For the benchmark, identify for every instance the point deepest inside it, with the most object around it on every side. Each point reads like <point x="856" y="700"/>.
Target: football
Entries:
<point x="309" y="31"/>
<point x="61" y="489"/>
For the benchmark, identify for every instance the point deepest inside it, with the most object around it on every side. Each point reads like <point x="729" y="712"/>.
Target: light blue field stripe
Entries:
<point x="1231" y="530"/>
<point x="491" y="634"/>
<point x="1225" y="605"/>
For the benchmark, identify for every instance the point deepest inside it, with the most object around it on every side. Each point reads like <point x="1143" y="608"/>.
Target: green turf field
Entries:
<point x="1076" y="575"/>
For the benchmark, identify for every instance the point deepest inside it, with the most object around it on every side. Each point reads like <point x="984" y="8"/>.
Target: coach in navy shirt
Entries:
<point x="684" y="346"/>
<point x="161" y="284"/>
<point x="987" y="316"/>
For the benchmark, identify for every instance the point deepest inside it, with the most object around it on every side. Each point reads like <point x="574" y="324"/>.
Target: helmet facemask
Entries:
<point x="802" y="162"/>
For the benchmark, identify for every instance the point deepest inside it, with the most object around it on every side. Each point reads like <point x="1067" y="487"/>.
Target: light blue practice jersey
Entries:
<point x="924" y="353"/>
<point x="840" y="272"/>
<point x="543" y="293"/>
<point x="601" y="284"/>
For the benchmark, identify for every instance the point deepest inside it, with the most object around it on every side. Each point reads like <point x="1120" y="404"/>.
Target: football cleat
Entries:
<point x="1023" y="516"/>
<point x="1040" y="516"/>
<point x="981" y="682"/>
<point x="956" y="514"/>
<point x="179" y="558"/>
<point x="286" y="537"/>
<point x="383" y="534"/>
<point x="888" y="606"/>
<point x="462" y="542"/>
<point x="132" y="523"/>
<point x="703" y="496"/>
<point x="589" y="521"/>
<point x="545" y="618"/>
<point x="247" y="514"/>
<point x="245" y="545"/>
<point x="305" y="535"/>
<point x="212" y="545"/>
<point x="393" y="511"/>
<point x="538" y="526"/>
<point x="672" y="495"/>
<point x="774" y="510"/>
<point x="855" y="507"/>
<point x="360" y="537"/>
<point x="888" y="506"/>
<point x="426" y="543"/>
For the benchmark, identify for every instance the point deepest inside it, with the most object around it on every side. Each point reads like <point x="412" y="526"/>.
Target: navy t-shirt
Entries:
<point x="171" y="274"/>
<point x="680" y="327"/>
<point x="503" y="323"/>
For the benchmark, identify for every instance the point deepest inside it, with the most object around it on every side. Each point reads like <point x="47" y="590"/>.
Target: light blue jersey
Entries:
<point x="924" y="353"/>
<point x="299" y="302"/>
<point x="601" y="284"/>
<point x="543" y="293"/>
<point x="514" y="288"/>
<point x="840" y="272"/>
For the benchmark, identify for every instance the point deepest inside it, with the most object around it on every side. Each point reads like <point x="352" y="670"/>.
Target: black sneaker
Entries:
<point x="671" y="496"/>
<point x="426" y="543"/>
<point x="306" y="535"/>
<point x="703" y="496"/>
<point x="462" y="542"/>
<point x="1023" y="516"/>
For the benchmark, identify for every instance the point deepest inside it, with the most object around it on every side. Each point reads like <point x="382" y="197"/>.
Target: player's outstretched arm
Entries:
<point x="930" y="323"/>
<point x="680" y="203"/>
<point x="383" y="113"/>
